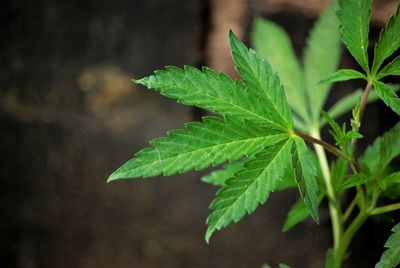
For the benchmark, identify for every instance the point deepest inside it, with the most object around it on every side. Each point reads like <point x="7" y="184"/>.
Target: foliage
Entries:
<point x="263" y="120"/>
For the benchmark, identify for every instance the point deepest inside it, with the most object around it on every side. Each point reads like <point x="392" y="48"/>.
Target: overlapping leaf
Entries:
<point x="272" y="42"/>
<point x="250" y="187"/>
<point x="343" y="75"/>
<point x="391" y="257"/>
<point x="382" y="151"/>
<point x="219" y="177"/>
<point x="256" y="74"/>
<point x="198" y="146"/>
<point x="393" y="68"/>
<point x="389" y="41"/>
<point x="213" y="91"/>
<point x="388" y="96"/>
<point x="305" y="176"/>
<point x="354" y="17"/>
<point x="321" y="58"/>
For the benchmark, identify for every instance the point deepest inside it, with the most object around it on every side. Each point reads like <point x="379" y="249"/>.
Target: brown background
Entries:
<point x="69" y="116"/>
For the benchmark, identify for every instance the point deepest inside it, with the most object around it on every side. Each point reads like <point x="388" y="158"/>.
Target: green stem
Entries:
<point x="313" y="139"/>
<point x="356" y="123"/>
<point x="384" y="209"/>
<point x="350" y="209"/>
<point x="348" y="236"/>
<point x="334" y="208"/>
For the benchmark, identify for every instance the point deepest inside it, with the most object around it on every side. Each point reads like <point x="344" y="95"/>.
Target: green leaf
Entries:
<point x="305" y="173"/>
<point x="354" y="17"/>
<point x="250" y="187"/>
<point x="393" y="178"/>
<point x="321" y="58"/>
<point x="199" y="146"/>
<point x="338" y="172"/>
<point x="384" y="149"/>
<point x="214" y="91"/>
<point x="257" y="75"/>
<point x="393" y="68"/>
<point x="391" y="257"/>
<point x="219" y="177"/>
<point x="388" y="96"/>
<point x="272" y="42"/>
<point x="298" y="213"/>
<point x="343" y="75"/>
<point x="356" y="180"/>
<point x="389" y="41"/>
<point x="330" y="261"/>
<point x="350" y="101"/>
<point x="282" y="265"/>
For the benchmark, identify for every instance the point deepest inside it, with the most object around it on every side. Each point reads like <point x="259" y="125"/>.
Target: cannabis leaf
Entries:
<point x="391" y="257"/>
<point x="343" y="75"/>
<point x="200" y="145"/>
<point x="393" y="68"/>
<point x="321" y="58"/>
<point x="257" y="75"/>
<point x="298" y="213"/>
<point x="219" y="177"/>
<point x="305" y="95"/>
<point x="214" y="91"/>
<point x="250" y="187"/>
<point x="393" y="178"/>
<point x="354" y="17"/>
<point x="388" y="96"/>
<point x="382" y="151"/>
<point x="305" y="176"/>
<point x="389" y="41"/>
<point x="272" y="42"/>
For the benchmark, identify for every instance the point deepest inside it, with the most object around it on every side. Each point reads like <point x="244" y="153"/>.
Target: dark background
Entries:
<point x="69" y="116"/>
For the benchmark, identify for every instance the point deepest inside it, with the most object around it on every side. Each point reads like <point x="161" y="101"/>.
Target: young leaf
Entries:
<point x="321" y="58"/>
<point x="305" y="174"/>
<point x="250" y="187"/>
<point x="356" y="180"/>
<point x="343" y="75"/>
<point x="382" y="151"/>
<point x="272" y="42"/>
<point x="282" y="265"/>
<point x="354" y="17"/>
<point x="213" y="91"/>
<point x="219" y="177"/>
<point x="257" y="75"/>
<point x="389" y="41"/>
<point x="391" y="257"/>
<point x="349" y="101"/>
<point x="198" y="146"/>
<point x="338" y="172"/>
<point x="298" y="213"/>
<point x="393" y="178"/>
<point x="388" y="96"/>
<point x="393" y="68"/>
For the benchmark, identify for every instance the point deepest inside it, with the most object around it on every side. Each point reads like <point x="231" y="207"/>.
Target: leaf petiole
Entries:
<point x="336" y="151"/>
<point x="384" y="209"/>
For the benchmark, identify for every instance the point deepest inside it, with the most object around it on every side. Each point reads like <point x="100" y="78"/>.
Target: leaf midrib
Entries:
<point x="224" y="210"/>
<point x="205" y="148"/>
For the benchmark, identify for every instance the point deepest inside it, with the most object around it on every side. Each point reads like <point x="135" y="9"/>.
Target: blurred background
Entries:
<point x="69" y="116"/>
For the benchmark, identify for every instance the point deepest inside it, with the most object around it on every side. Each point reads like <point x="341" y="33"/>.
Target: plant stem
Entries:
<point x="357" y="123"/>
<point x="364" y="99"/>
<point x="348" y="236"/>
<point x="384" y="209"/>
<point x="324" y="144"/>
<point x="334" y="208"/>
<point x="350" y="209"/>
